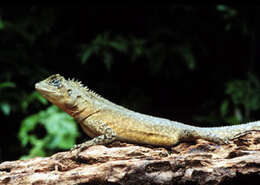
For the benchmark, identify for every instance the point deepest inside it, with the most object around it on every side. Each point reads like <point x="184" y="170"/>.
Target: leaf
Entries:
<point x="222" y="8"/>
<point x="7" y="84"/>
<point x="186" y="53"/>
<point x="31" y="98"/>
<point x="27" y="125"/>
<point x="108" y="59"/>
<point x="224" y="108"/>
<point x="40" y="98"/>
<point x="2" y="26"/>
<point x="228" y="27"/>
<point x="5" y="108"/>
<point x="38" y="150"/>
<point x="86" y="54"/>
<point x="238" y="115"/>
<point x="119" y="46"/>
<point x="228" y="12"/>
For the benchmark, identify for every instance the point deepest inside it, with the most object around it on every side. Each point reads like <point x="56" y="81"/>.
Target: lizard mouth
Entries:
<point x="37" y="86"/>
<point x="43" y="90"/>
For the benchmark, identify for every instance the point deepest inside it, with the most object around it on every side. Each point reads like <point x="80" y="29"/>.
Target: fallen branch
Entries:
<point x="120" y="163"/>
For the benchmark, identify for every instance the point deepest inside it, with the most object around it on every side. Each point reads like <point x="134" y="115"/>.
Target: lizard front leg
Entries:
<point x="108" y="135"/>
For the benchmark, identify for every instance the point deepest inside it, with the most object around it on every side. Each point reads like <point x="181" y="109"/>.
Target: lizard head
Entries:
<point x="69" y="95"/>
<point x="66" y="94"/>
<point x="57" y="90"/>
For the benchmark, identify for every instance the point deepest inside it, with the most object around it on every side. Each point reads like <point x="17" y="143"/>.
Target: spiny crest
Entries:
<point x="76" y="82"/>
<point x="85" y="89"/>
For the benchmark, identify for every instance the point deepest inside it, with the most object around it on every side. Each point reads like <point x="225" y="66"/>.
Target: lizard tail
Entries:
<point x="225" y="134"/>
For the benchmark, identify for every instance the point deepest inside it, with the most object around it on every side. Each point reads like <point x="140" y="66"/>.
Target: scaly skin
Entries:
<point x="105" y="121"/>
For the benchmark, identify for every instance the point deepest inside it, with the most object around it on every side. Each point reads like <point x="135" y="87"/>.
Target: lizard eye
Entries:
<point x="55" y="82"/>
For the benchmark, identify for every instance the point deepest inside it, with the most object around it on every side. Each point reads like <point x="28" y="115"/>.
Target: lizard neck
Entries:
<point x="79" y="108"/>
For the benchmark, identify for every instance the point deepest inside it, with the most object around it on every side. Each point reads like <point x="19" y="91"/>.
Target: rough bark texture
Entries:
<point x="200" y="162"/>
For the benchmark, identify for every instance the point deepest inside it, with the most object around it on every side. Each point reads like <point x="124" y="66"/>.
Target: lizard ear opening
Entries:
<point x="69" y="92"/>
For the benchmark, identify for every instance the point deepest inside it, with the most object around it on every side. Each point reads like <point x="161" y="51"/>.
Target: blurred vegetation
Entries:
<point x="60" y="127"/>
<point x="186" y="63"/>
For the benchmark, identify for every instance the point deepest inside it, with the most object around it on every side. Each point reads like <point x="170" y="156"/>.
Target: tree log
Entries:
<point x="201" y="162"/>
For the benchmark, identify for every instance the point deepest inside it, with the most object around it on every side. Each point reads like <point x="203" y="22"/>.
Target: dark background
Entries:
<point x="196" y="64"/>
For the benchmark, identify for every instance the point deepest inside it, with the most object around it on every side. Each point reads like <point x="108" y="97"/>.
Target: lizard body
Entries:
<point x="105" y="121"/>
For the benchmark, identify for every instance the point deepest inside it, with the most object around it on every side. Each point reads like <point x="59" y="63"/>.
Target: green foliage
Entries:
<point x="229" y="12"/>
<point x="7" y="84"/>
<point x="245" y="94"/>
<point x="186" y="53"/>
<point x="232" y="15"/>
<point x="10" y="100"/>
<point x="19" y="53"/>
<point x="1" y="24"/>
<point x="107" y="47"/>
<point x="242" y="99"/>
<point x="61" y="132"/>
<point x="104" y="45"/>
<point x="31" y="98"/>
<point x="5" y="106"/>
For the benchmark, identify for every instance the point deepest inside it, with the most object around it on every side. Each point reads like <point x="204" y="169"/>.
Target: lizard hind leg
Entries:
<point x="108" y="135"/>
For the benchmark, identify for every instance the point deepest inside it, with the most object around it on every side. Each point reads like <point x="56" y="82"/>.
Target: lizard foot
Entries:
<point x="79" y="148"/>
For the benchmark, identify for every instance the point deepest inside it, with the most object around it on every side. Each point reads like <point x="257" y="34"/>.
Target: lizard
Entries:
<point x="105" y="121"/>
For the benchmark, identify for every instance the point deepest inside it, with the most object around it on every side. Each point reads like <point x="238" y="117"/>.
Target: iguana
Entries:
<point x="105" y="121"/>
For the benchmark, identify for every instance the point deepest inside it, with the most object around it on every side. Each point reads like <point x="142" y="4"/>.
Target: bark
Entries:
<point x="200" y="162"/>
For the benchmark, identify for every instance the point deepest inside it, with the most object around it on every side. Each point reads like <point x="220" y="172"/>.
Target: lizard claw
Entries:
<point x="76" y="150"/>
<point x="79" y="148"/>
<point x="75" y="147"/>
